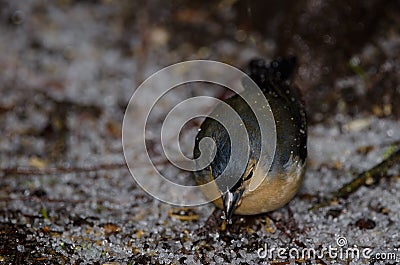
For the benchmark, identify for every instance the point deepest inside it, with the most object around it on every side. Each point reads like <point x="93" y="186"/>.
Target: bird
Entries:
<point x="285" y="175"/>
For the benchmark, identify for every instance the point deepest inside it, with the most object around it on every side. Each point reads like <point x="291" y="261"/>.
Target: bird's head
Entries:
<point x="230" y="180"/>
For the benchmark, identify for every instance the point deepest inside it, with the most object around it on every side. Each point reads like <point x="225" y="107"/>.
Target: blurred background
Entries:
<point x="69" y="67"/>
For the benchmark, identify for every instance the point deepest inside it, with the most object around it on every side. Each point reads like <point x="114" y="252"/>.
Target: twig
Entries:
<point x="60" y="170"/>
<point x="36" y="199"/>
<point x="366" y="178"/>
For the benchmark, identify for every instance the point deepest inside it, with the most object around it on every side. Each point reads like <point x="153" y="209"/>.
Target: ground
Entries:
<point x="68" y="69"/>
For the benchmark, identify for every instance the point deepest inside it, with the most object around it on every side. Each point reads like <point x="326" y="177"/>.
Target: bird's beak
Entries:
<point x="231" y="201"/>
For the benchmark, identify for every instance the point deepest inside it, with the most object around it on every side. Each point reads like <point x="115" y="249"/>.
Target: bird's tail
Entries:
<point x="279" y="69"/>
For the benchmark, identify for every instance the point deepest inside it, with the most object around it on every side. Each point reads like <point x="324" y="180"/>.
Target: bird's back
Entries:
<point x="289" y="114"/>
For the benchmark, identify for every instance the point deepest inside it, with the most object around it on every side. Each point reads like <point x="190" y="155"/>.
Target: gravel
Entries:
<point x="66" y="197"/>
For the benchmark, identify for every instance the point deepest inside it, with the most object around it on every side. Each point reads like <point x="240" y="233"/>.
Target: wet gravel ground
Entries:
<point x="68" y="69"/>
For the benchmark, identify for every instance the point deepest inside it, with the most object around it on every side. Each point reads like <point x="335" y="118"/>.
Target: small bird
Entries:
<point x="284" y="177"/>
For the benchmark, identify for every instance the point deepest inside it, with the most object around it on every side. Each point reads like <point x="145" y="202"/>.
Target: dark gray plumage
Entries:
<point x="291" y="130"/>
